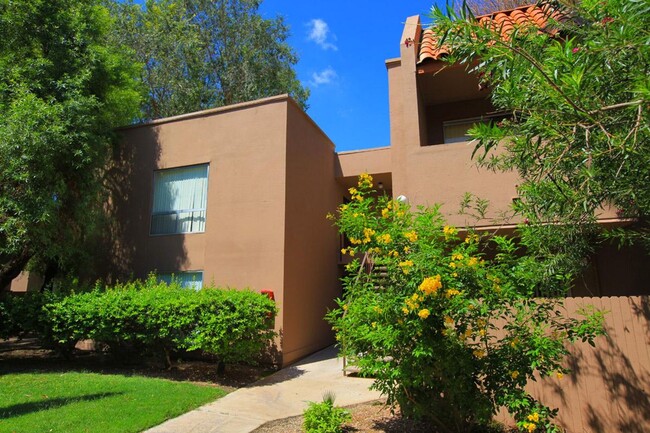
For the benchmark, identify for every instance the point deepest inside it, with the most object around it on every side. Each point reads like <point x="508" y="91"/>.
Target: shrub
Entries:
<point x="234" y="324"/>
<point x="324" y="417"/>
<point x="450" y="327"/>
<point x="151" y="316"/>
<point x="21" y="314"/>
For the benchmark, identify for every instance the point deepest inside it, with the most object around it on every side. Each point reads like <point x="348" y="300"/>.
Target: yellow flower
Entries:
<point x="400" y="213"/>
<point x="365" y="180"/>
<point x="530" y="427"/>
<point x="482" y="332"/>
<point x="424" y="313"/>
<point x="430" y="285"/>
<point x="449" y="231"/>
<point x="344" y="207"/>
<point x="452" y="292"/>
<point x="407" y="250"/>
<point x="374" y="324"/>
<point x="457" y="256"/>
<point x="472" y="237"/>
<point x="393" y="253"/>
<point x="411" y="304"/>
<point x="452" y="265"/>
<point x="405" y="310"/>
<point x="411" y="236"/>
<point x="473" y="261"/>
<point x="406" y="266"/>
<point x="376" y="309"/>
<point x="344" y="251"/>
<point x="345" y="307"/>
<point x="385" y="213"/>
<point x="449" y="321"/>
<point x="514" y="374"/>
<point x="454" y="274"/>
<point x="353" y="191"/>
<point x="368" y="233"/>
<point x="355" y="241"/>
<point x="534" y="417"/>
<point x="479" y="353"/>
<point x="560" y="375"/>
<point x="384" y="238"/>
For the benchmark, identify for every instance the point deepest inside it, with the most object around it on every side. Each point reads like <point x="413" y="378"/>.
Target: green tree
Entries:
<point x="62" y="90"/>
<point x="578" y="92"/>
<point x="200" y="54"/>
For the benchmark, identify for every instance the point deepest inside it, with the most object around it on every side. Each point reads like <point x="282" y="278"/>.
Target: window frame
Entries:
<point x="174" y="276"/>
<point x="178" y="211"/>
<point x="466" y="120"/>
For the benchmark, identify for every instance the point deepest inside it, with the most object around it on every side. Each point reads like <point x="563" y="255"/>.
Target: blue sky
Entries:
<point x="342" y="47"/>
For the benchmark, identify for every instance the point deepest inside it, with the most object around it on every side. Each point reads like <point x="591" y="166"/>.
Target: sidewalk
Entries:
<point x="283" y="394"/>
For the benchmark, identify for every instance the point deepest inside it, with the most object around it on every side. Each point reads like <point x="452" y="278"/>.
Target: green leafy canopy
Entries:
<point x="200" y="54"/>
<point x="62" y="90"/>
<point x="578" y="94"/>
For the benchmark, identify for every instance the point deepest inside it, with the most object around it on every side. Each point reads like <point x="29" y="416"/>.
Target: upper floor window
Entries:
<point x="455" y="131"/>
<point x="180" y="198"/>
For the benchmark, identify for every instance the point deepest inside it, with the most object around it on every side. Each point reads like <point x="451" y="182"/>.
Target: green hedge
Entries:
<point x="153" y="317"/>
<point x="22" y="315"/>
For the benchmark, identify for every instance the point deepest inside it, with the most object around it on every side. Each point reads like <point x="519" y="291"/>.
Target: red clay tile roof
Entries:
<point x="505" y="21"/>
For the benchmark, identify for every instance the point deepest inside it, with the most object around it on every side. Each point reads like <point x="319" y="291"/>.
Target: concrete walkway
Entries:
<point x="283" y="394"/>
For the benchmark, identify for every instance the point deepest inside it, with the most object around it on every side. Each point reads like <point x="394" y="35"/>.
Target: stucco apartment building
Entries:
<point x="238" y="196"/>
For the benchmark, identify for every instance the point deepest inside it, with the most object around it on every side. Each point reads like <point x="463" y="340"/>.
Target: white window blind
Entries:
<point x="456" y="131"/>
<point x="179" y="200"/>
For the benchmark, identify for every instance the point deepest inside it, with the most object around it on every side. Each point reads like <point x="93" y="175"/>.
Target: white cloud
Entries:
<point x="319" y="32"/>
<point x="325" y="76"/>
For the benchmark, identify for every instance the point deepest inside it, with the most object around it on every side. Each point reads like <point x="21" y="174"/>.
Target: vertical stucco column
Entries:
<point x="405" y="109"/>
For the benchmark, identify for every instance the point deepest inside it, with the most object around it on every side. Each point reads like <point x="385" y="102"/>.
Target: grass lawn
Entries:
<point x="75" y="402"/>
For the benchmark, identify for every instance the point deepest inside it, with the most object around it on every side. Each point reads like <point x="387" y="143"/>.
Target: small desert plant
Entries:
<point x="324" y="417"/>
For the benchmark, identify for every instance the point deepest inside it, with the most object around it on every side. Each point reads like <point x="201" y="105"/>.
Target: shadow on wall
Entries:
<point x="610" y="384"/>
<point x="127" y="250"/>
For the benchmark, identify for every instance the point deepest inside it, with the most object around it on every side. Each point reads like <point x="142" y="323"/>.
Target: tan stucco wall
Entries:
<point x="271" y="183"/>
<point x="441" y="173"/>
<point x="311" y="242"/>
<point x="243" y="242"/>
<point x="353" y="163"/>
<point x="25" y="282"/>
<point x="444" y="173"/>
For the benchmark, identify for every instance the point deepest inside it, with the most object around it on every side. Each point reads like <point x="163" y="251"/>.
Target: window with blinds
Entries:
<point x="180" y="198"/>
<point x="187" y="280"/>
<point x="456" y="131"/>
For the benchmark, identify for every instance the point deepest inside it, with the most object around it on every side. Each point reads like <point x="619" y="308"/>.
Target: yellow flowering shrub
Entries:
<point x="423" y="322"/>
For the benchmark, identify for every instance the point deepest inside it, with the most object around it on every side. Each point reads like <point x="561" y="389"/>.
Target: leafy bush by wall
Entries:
<point x="148" y="317"/>
<point x="22" y="315"/>
<point x="451" y="328"/>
